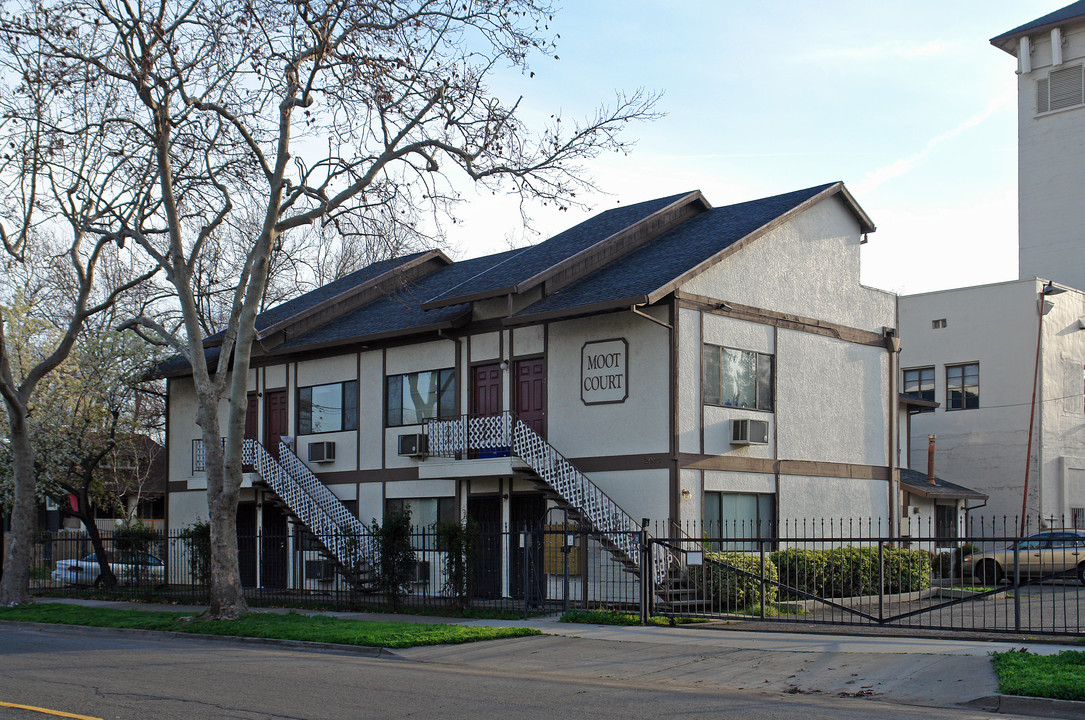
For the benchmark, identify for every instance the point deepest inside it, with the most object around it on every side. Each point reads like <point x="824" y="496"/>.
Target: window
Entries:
<point x="1062" y="88"/>
<point x="938" y="324"/>
<point x="737" y="378"/>
<point x="920" y="383"/>
<point x="425" y="514"/>
<point x="945" y="524"/>
<point x="416" y="396"/>
<point x="739" y="515"/>
<point x="328" y="408"/>
<point x="1077" y="518"/>
<point x="963" y="386"/>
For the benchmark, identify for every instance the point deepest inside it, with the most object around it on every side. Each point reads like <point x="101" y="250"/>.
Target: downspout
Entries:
<point x="892" y="346"/>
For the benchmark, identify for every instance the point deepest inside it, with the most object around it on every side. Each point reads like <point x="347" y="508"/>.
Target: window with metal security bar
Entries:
<point x="1061" y="89"/>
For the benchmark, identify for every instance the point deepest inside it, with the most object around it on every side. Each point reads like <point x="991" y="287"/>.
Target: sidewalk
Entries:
<point x="916" y="671"/>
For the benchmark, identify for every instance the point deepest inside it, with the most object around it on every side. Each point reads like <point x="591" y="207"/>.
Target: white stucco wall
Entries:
<point x="832" y="400"/>
<point x="808" y="266"/>
<point x="640" y="424"/>
<point x="819" y="498"/>
<point x="985" y="449"/>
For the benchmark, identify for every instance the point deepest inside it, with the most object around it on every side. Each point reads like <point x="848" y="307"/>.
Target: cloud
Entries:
<point x="894" y="170"/>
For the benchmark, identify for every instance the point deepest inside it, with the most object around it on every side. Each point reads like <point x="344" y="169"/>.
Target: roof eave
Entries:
<point x="576" y="311"/>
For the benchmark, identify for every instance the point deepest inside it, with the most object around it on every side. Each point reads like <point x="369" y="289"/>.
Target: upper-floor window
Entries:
<point x="1062" y="88"/>
<point x="413" y="397"/>
<point x="328" y="408"/>
<point x="920" y="383"/>
<point x="737" y="378"/>
<point x="963" y="386"/>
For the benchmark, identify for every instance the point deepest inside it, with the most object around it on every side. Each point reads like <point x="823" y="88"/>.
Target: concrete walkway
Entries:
<point x="931" y="671"/>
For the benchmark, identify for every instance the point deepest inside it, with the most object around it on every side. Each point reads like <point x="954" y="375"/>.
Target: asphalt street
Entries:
<point x="116" y="675"/>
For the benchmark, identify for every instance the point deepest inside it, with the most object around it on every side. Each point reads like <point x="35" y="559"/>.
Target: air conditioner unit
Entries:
<point x="413" y="445"/>
<point x="322" y="570"/>
<point x="322" y="452"/>
<point x="421" y="571"/>
<point x="749" y="432"/>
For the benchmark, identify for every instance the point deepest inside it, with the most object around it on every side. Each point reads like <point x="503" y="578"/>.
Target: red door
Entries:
<point x="486" y="390"/>
<point x="531" y="393"/>
<point x="275" y="420"/>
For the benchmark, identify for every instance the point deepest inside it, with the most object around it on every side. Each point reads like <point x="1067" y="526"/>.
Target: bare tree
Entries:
<point x="58" y="215"/>
<point x="351" y="114"/>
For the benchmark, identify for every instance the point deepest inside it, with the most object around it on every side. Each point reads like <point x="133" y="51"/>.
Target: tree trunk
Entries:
<point x="227" y="595"/>
<point x="15" y="584"/>
<point x="86" y="516"/>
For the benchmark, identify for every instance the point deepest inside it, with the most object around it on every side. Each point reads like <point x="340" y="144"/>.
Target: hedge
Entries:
<point x="726" y="587"/>
<point x="853" y="571"/>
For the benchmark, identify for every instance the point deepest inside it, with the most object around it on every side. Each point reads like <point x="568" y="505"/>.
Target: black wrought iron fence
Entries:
<point x="983" y="576"/>
<point x="534" y="569"/>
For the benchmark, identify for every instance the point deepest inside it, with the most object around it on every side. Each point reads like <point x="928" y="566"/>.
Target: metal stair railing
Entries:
<point x="313" y="504"/>
<point x="458" y="437"/>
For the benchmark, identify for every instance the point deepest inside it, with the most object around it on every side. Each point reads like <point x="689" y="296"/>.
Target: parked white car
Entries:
<point x="129" y="569"/>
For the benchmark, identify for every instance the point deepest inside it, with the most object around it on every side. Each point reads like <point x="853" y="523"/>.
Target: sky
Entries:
<point x="907" y="103"/>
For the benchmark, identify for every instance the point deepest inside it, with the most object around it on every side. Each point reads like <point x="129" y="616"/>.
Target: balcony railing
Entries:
<point x="469" y="436"/>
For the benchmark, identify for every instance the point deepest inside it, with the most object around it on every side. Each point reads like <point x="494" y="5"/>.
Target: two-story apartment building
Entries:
<point x="666" y="360"/>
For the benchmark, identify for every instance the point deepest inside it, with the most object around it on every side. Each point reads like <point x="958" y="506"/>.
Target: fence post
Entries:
<point x="761" y="551"/>
<point x="645" y="573"/>
<point x="525" y="538"/>
<point x="566" y="546"/>
<point x="881" y="581"/>
<point x="1017" y="586"/>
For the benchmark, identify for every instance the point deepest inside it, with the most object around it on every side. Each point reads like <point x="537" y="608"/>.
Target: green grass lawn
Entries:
<point x="312" y="628"/>
<point x="1060" y="676"/>
<point x="613" y="617"/>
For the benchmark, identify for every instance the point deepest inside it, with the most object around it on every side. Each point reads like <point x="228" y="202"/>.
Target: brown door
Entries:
<point x="486" y="390"/>
<point x="531" y="393"/>
<point x="275" y="420"/>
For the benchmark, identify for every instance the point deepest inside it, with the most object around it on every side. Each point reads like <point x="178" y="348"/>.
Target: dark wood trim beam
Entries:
<point x="781" y="320"/>
<point x="768" y="466"/>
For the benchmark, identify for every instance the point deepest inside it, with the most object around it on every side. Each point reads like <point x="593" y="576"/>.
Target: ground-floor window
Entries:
<point x="425" y="514"/>
<point x="739" y="515"/>
<point x="945" y="524"/>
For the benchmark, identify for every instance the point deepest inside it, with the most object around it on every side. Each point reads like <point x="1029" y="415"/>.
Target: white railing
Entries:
<point x="472" y="436"/>
<point x="313" y="504"/>
<point x="469" y="436"/>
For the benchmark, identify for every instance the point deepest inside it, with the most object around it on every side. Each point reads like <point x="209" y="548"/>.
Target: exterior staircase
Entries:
<point x="344" y="539"/>
<point x="506" y="434"/>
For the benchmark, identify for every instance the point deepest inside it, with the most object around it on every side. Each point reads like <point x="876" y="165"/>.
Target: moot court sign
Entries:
<point x="604" y="372"/>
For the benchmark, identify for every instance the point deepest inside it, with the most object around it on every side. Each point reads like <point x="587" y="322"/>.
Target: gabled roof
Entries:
<point x="660" y="266"/>
<point x="1007" y="40"/>
<point x="625" y="256"/>
<point x="516" y="273"/>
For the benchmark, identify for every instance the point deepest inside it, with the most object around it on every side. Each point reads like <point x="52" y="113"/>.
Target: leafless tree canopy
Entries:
<point x="221" y="125"/>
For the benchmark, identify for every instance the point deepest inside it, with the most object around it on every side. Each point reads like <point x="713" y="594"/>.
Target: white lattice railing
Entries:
<point x="472" y="436"/>
<point x="468" y="435"/>
<point x="313" y="504"/>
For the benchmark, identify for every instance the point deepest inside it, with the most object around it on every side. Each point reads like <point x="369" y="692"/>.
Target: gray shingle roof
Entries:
<point x="674" y="253"/>
<point x="530" y="261"/>
<point x="1062" y="15"/>
<point x="644" y="270"/>
<point x="916" y="482"/>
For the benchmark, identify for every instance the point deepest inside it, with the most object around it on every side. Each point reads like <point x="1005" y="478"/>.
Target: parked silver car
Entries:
<point x="129" y="569"/>
<point x="1045" y="554"/>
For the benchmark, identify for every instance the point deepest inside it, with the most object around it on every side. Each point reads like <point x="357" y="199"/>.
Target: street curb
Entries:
<point x="1019" y="705"/>
<point x="360" y="650"/>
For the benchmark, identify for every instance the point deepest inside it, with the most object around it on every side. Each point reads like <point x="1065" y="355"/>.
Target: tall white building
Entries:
<point x="1050" y="54"/>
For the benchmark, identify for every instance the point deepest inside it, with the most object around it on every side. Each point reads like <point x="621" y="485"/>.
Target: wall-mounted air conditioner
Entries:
<point x="749" y="432"/>
<point x="322" y="570"/>
<point x="413" y="445"/>
<point x="322" y="452"/>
